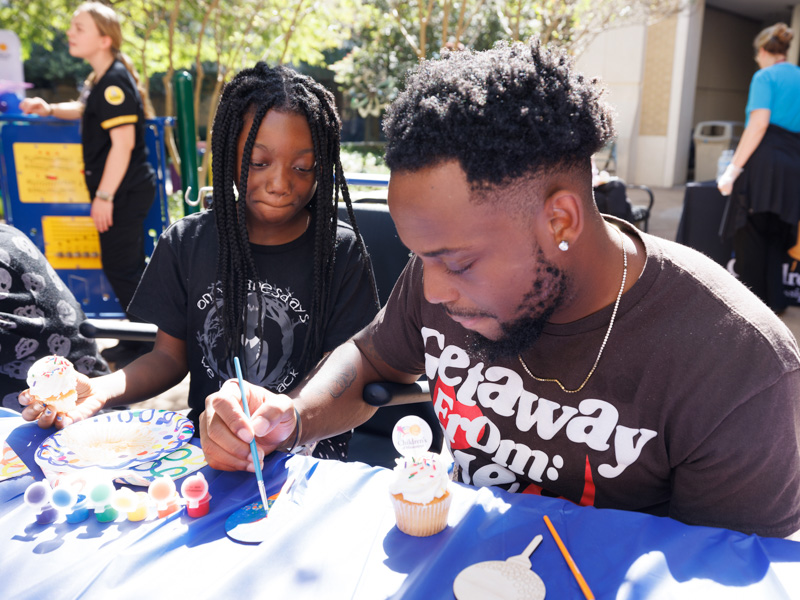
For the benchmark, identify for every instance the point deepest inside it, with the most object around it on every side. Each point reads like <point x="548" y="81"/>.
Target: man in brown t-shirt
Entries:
<point x="568" y="353"/>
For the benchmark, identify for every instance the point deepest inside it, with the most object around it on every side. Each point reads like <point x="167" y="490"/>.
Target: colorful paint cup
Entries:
<point x="194" y="490"/>
<point x="80" y="510"/>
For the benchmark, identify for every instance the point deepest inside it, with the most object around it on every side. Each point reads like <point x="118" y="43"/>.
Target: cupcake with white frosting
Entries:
<point x="52" y="381"/>
<point x="419" y="494"/>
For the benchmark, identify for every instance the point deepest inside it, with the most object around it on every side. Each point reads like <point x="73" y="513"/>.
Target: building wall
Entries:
<point x="657" y="82"/>
<point x="725" y="68"/>
<point x="616" y="57"/>
<point x="653" y="89"/>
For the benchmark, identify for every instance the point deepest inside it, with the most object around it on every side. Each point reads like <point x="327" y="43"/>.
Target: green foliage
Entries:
<point x="393" y="35"/>
<point x="47" y="68"/>
<point x="35" y="21"/>
<point x="368" y="76"/>
<point x="232" y="33"/>
<point x="175" y="206"/>
<point x="363" y="158"/>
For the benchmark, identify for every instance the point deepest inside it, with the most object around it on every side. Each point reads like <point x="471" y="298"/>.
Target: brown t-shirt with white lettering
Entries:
<point x="693" y="411"/>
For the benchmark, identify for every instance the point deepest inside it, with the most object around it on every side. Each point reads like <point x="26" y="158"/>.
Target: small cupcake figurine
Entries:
<point x="419" y="490"/>
<point x="52" y="381"/>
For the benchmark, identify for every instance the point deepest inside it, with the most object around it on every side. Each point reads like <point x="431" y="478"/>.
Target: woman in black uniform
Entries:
<point x="120" y="180"/>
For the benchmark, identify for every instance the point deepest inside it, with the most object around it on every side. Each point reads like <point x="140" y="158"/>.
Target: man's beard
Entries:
<point x="522" y="333"/>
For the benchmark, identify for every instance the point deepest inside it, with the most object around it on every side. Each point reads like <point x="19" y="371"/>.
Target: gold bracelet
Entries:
<point x="52" y="110"/>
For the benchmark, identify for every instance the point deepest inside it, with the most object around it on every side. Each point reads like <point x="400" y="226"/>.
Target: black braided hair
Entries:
<point x="259" y="90"/>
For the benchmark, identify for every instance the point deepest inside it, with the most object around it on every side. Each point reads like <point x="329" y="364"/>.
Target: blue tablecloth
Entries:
<point x="339" y="540"/>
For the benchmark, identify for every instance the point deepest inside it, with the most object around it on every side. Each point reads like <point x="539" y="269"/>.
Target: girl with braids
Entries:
<point x="121" y="182"/>
<point x="268" y="273"/>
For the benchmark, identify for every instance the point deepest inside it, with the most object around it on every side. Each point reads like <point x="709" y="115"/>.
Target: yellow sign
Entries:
<point x="71" y="242"/>
<point x="50" y="173"/>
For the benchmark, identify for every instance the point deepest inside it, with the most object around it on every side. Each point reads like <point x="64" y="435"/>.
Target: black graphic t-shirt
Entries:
<point x="177" y="293"/>
<point x="693" y="411"/>
<point x="39" y="316"/>
<point x="114" y="101"/>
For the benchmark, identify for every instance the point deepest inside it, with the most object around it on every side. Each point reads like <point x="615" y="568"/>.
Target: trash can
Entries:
<point x="711" y="138"/>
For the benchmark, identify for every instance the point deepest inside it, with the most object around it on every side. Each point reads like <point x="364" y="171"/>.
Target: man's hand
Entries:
<point x="225" y="431"/>
<point x="102" y="213"/>
<point x="89" y="402"/>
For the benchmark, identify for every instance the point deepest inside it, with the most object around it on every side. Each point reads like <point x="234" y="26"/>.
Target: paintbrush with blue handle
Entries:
<point x="253" y="449"/>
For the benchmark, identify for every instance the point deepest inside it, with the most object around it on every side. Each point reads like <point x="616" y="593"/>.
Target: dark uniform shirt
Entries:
<point x="114" y="101"/>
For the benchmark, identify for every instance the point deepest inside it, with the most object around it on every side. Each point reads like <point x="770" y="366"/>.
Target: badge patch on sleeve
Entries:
<point x="114" y="95"/>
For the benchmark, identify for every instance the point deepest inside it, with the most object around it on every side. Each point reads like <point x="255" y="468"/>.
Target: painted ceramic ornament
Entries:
<point x="510" y="579"/>
<point x="247" y="525"/>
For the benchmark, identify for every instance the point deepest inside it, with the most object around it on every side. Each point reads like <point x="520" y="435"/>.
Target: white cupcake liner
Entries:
<point x="421" y="520"/>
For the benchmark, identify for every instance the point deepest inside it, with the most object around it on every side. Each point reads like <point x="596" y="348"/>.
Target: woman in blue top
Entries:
<point x="763" y="179"/>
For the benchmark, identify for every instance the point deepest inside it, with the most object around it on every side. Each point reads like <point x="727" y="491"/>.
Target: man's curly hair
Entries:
<point x="503" y="113"/>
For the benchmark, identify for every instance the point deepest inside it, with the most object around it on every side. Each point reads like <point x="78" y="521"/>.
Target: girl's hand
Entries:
<point x="35" y="106"/>
<point x="102" y="213"/>
<point x="89" y="402"/>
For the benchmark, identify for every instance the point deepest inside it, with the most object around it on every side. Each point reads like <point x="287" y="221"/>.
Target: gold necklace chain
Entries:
<point x="605" y="339"/>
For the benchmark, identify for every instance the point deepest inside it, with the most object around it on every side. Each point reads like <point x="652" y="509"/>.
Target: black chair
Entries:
<point x="641" y="213"/>
<point x="614" y="198"/>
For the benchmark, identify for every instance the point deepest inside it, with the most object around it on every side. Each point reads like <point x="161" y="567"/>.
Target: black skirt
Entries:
<point x="770" y="182"/>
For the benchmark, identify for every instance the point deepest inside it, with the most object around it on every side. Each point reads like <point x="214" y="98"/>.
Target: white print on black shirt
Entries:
<point x="267" y="358"/>
<point x="464" y="392"/>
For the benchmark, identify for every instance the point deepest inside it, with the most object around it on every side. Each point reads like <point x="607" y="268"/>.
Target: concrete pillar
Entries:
<point x="794" y="49"/>
<point x="684" y="87"/>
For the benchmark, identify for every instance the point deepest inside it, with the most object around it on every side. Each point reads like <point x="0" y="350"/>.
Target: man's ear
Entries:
<point x="564" y="213"/>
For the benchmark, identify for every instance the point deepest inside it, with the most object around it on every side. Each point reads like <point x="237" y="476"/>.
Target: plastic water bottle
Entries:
<point x="723" y="161"/>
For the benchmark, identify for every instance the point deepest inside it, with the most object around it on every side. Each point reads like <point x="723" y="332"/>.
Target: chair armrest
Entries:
<point x="647" y="190"/>
<point x="385" y="393"/>
<point x="120" y="330"/>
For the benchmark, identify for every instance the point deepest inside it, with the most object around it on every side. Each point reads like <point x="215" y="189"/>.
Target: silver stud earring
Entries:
<point x="563" y="245"/>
